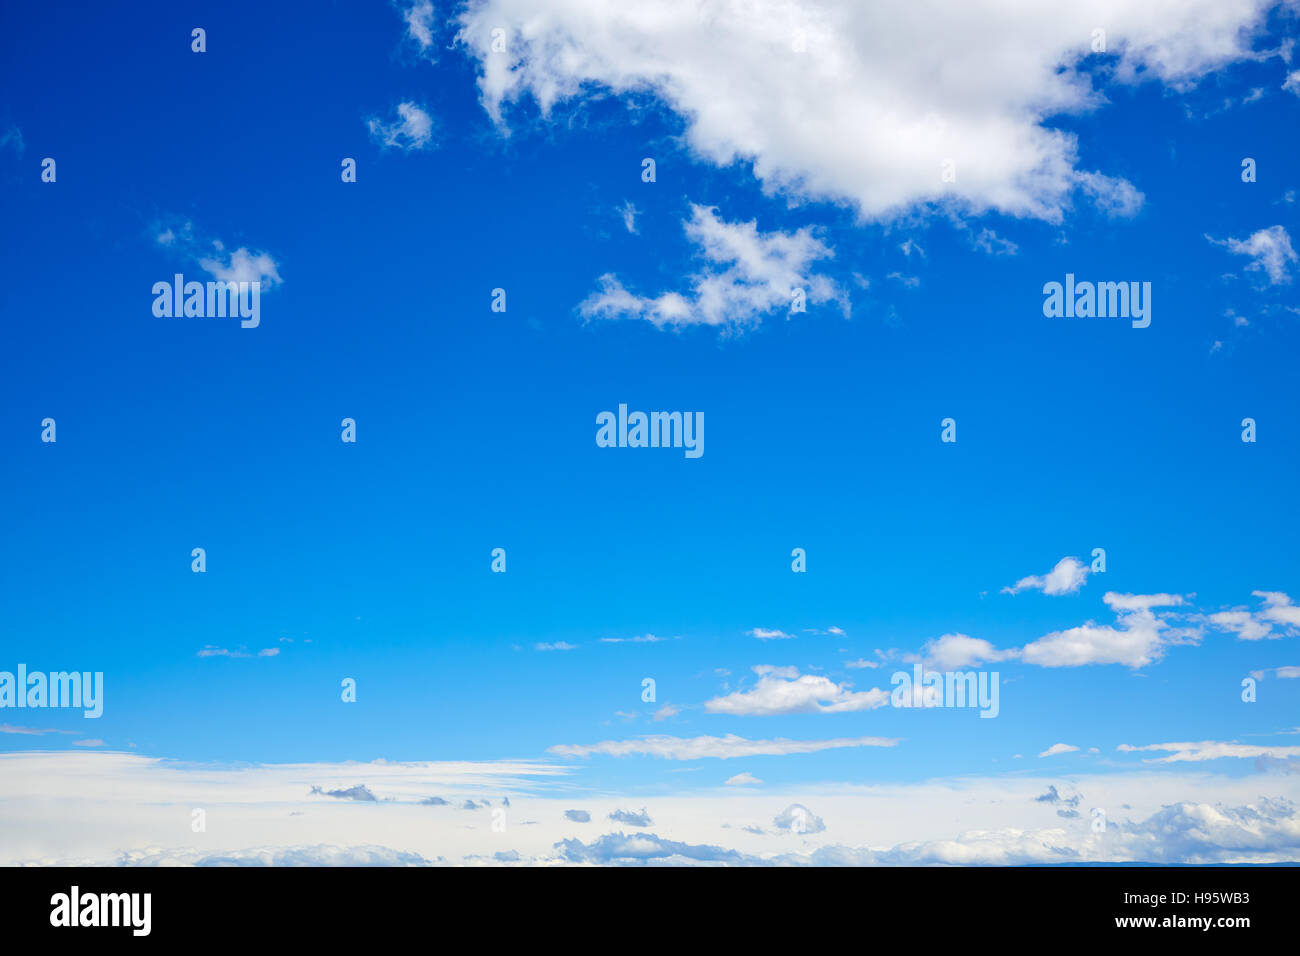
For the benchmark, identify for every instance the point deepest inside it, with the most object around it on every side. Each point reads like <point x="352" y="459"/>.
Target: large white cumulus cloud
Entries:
<point x="862" y="102"/>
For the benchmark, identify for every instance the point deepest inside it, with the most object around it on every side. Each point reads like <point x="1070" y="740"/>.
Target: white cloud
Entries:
<point x="743" y="780"/>
<point x="749" y="274"/>
<point x="1292" y="83"/>
<point x="32" y="731"/>
<point x="1278" y="608"/>
<point x="1242" y="623"/>
<point x="1279" y="617"/>
<point x="785" y="692"/>
<point x="722" y="748"/>
<point x="798" y="819"/>
<point x="1067" y="577"/>
<point x="768" y="634"/>
<point x="241" y="265"/>
<point x="1117" y="198"/>
<point x="880" y="97"/>
<point x="413" y="129"/>
<point x="956" y="651"/>
<point x="419" y="23"/>
<point x="1210" y="750"/>
<point x="555" y="646"/>
<point x="106" y="808"/>
<point x="639" y="639"/>
<point x="1138" y="638"/>
<point x="989" y="241"/>
<point x="628" y="212"/>
<point x="1269" y="250"/>
<point x="1055" y="749"/>
<point x="666" y="711"/>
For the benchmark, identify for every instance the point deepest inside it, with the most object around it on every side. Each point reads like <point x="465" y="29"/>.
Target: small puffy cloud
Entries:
<point x="1139" y="636"/>
<point x="577" y="816"/>
<point x="743" y="780"/>
<point x="861" y="664"/>
<point x="1055" y="749"/>
<point x="789" y="693"/>
<point x="1270" y="252"/>
<point x="1292" y="83"/>
<point x="556" y="646"/>
<point x="769" y="634"/>
<point x="721" y="748"/>
<point x="632" y="819"/>
<point x="1067" y="577"/>
<point x="666" y="711"/>
<point x="953" y="652"/>
<point x="411" y="130"/>
<point x="211" y="255"/>
<point x="748" y="274"/>
<point x="241" y="266"/>
<point x="798" y="819"/>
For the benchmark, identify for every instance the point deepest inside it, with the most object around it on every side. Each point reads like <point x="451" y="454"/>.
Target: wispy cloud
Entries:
<point x="412" y="129"/>
<point x="722" y="748"/>
<point x="1269" y="250"/>
<point x="748" y="275"/>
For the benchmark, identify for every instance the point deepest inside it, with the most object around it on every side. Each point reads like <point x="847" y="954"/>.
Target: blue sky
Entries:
<point x="476" y="428"/>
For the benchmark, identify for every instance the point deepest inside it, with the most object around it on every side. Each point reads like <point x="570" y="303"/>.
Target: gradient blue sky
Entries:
<point x="476" y="429"/>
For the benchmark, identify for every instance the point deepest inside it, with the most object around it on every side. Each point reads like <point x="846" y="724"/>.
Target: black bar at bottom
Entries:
<point x="331" y="905"/>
